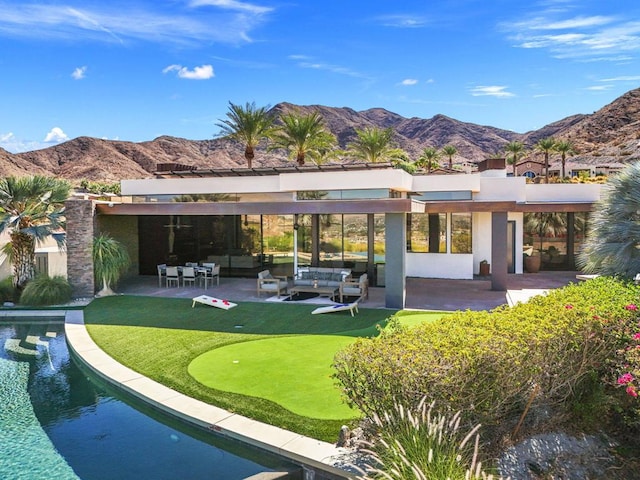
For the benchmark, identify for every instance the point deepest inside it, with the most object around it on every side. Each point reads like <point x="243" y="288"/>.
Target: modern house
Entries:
<point x="365" y="217"/>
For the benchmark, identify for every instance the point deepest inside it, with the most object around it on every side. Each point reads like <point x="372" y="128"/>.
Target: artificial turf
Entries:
<point x="161" y="337"/>
<point x="294" y="372"/>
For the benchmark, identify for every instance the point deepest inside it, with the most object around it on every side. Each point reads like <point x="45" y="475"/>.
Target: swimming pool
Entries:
<point x="55" y="422"/>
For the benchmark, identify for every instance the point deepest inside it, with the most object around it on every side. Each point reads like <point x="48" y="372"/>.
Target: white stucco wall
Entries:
<point x="439" y="265"/>
<point x="481" y="239"/>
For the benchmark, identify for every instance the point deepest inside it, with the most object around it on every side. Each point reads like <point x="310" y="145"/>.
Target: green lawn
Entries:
<point x="270" y="362"/>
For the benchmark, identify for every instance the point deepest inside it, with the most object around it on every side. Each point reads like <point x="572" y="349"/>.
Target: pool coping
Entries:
<point x="307" y="452"/>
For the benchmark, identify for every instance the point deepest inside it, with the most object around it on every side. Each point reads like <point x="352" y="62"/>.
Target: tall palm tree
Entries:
<point x="429" y="158"/>
<point x="564" y="148"/>
<point x="249" y="125"/>
<point x="516" y="149"/>
<point x="303" y="135"/>
<point x="450" y="151"/>
<point x="612" y="246"/>
<point x="374" y="145"/>
<point x="31" y="210"/>
<point x="546" y="146"/>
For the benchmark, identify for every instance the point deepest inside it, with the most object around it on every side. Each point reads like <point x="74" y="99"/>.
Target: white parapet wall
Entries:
<point x="563" y="192"/>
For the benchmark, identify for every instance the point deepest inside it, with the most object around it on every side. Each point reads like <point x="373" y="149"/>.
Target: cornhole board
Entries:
<point x="213" y="302"/>
<point x="340" y="307"/>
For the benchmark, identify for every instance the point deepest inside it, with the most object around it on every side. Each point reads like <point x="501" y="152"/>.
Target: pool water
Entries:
<point x="56" y="423"/>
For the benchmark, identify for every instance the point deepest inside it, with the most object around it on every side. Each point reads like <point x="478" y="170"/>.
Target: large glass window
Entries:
<point x="461" y="233"/>
<point x="277" y="243"/>
<point x="427" y="232"/>
<point x="305" y="243"/>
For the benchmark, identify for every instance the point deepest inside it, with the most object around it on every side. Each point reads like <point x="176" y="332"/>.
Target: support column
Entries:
<point x="395" y="241"/>
<point x="79" y="238"/>
<point x="371" y="241"/>
<point x="571" y="241"/>
<point x="315" y="240"/>
<point x="499" y="263"/>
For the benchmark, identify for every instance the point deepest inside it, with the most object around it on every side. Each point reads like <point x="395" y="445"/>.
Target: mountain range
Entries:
<point x="609" y="135"/>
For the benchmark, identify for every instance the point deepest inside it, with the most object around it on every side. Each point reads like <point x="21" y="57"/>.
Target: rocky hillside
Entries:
<point x="611" y="134"/>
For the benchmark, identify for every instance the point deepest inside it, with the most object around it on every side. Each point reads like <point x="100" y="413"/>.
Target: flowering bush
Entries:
<point x="629" y="355"/>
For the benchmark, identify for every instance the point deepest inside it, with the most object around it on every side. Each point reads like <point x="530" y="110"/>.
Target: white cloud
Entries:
<point x="599" y="88"/>
<point x="56" y="135"/>
<point x="79" y="73"/>
<point x="491" y="91"/>
<point x="305" y="61"/>
<point x="232" y="5"/>
<point x="623" y="78"/>
<point x="203" y="72"/>
<point x="118" y="22"/>
<point x="402" y="21"/>
<point x="409" y="82"/>
<point x="6" y="137"/>
<point x="585" y="38"/>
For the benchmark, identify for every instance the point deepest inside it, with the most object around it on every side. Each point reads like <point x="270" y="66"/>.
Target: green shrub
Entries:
<point x="490" y="364"/>
<point x="45" y="290"/>
<point x="8" y="292"/>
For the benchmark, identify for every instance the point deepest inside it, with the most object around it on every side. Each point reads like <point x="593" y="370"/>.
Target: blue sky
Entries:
<point x="137" y="69"/>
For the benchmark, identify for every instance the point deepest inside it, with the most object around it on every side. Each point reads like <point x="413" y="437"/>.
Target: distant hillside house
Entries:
<point x="575" y="169"/>
<point x="367" y="218"/>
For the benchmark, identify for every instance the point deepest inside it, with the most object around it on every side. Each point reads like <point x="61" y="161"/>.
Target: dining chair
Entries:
<point x="173" y="276"/>
<point x="188" y="275"/>
<point x="162" y="269"/>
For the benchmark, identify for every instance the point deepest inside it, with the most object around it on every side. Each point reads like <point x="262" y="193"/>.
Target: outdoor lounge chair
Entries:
<point x="271" y="284"/>
<point x="359" y="288"/>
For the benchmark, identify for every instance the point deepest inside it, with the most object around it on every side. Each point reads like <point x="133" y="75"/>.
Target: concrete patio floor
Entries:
<point x="422" y="293"/>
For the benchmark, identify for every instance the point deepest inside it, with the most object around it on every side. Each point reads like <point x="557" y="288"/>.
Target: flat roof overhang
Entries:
<point x="504" y="206"/>
<point x="397" y="205"/>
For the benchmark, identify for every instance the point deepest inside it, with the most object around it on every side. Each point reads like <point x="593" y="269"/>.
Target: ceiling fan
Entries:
<point x="177" y="225"/>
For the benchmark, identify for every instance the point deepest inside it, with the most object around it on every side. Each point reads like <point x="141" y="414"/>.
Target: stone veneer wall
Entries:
<point x="80" y="231"/>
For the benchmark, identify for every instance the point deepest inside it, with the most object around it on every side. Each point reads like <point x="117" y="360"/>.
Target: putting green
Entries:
<point x="294" y="372"/>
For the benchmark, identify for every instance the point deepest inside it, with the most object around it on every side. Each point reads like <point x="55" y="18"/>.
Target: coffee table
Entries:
<point x="329" y="292"/>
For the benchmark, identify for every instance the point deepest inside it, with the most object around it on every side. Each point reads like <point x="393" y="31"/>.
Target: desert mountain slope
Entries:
<point x="612" y="134"/>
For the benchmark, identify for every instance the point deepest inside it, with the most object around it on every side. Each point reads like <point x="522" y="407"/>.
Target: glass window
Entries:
<point x="277" y="243"/>
<point x="427" y="232"/>
<point x="461" y="233"/>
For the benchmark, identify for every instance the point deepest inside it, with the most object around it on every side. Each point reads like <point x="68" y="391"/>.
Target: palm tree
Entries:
<point x="564" y="148"/>
<point x="516" y="149"/>
<point x="110" y="259"/>
<point x="450" y="151"/>
<point x="303" y="135"/>
<point x="249" y="125"/>
<point x="546" y="146"/>
<point x="374" y="145"/>
<point x="612" y="246"/>
<point x="429" y="158"/>
<point x="31" y="210"/>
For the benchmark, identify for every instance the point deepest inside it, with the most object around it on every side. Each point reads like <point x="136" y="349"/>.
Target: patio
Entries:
<point x="422" y="293"/>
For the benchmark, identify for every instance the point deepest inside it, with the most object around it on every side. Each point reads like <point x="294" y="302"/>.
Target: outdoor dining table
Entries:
<point x="204" y="271"/>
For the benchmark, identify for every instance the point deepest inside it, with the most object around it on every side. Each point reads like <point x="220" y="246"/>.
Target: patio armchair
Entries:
<point x="271" y="284"/>
<point x="359" y="288"/>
